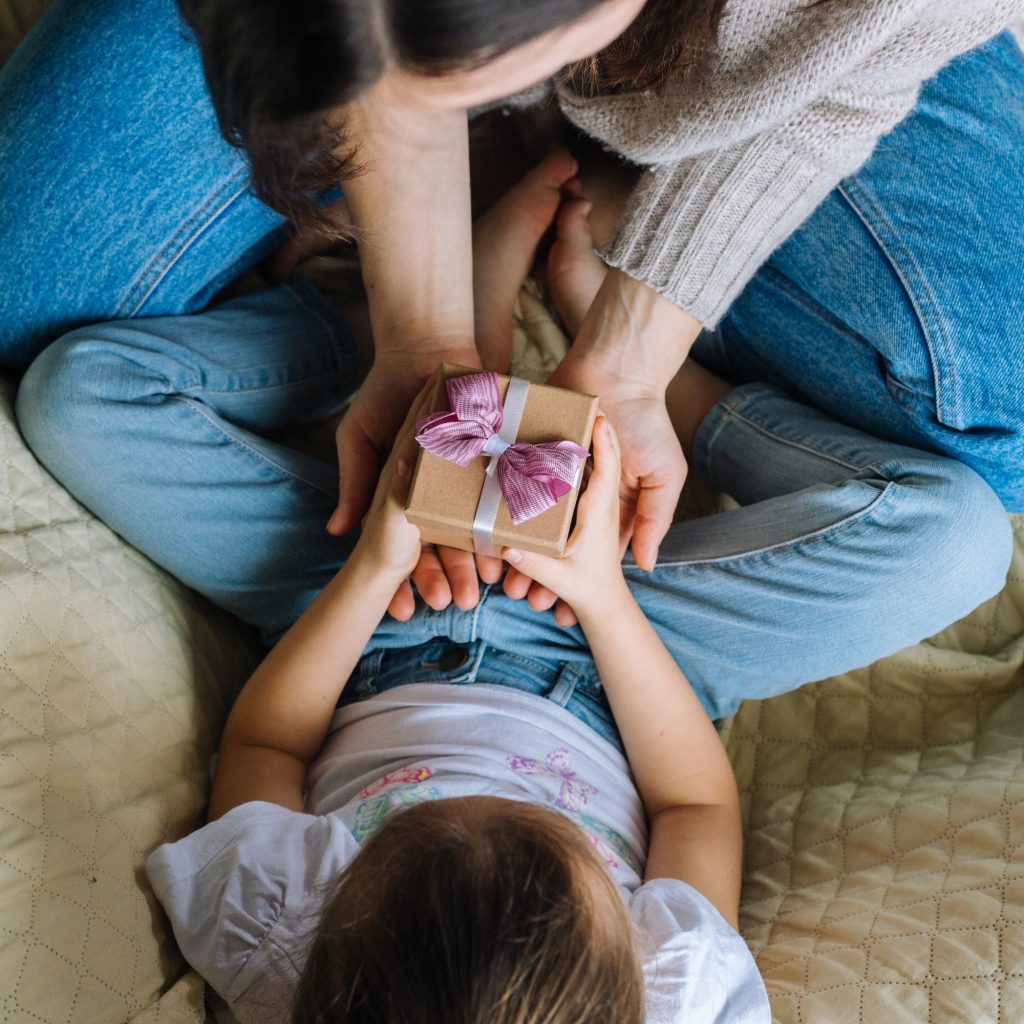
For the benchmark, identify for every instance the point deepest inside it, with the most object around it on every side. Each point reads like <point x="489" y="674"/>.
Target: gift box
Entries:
<point x="502" y="468"/>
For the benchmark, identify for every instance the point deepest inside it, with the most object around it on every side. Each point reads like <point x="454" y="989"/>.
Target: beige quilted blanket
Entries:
<point x="884" y="809"/>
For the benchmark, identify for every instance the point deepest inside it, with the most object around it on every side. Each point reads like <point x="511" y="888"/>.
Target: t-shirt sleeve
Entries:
<point x="244" y="895"/>
<point x="697" y="969"/>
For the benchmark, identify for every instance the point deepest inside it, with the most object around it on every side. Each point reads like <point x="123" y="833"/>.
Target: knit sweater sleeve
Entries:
<point x="738" y="158"/>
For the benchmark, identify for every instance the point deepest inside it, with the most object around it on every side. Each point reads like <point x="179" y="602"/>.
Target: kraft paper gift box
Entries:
<point x="444" y="496"/>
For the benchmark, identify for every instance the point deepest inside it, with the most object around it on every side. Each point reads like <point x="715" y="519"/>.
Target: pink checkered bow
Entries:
<point x="532" y="477"/>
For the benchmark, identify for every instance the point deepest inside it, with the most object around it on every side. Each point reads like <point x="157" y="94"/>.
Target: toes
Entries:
<point x="572" y="227"/>
<point x="574" y="270"/>
<point x="557" y="168"/>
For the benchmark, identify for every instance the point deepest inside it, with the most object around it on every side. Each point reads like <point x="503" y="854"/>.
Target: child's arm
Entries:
<point x="680" y="767"/>
<point x="282" y="715"/>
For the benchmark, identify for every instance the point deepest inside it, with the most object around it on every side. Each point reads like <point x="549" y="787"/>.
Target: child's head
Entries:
<point x="476" y="910"/>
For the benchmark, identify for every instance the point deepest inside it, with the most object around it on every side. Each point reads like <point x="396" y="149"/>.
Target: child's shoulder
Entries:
<point x="697" y="968"/>
<point x="244" y="888"/>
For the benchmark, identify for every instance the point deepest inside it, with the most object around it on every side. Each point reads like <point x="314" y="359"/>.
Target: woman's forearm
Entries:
<point x="411" y="208"/>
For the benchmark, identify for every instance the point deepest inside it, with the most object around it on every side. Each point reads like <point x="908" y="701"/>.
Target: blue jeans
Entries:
<point x="898" y="306"/>
<point x="847" y="547"/>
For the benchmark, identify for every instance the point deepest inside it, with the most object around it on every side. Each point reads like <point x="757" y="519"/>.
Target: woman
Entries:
<point x="870" y="304"/>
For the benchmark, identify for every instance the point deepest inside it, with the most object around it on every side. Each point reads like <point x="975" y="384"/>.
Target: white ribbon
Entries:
<point x="490" y="494"/>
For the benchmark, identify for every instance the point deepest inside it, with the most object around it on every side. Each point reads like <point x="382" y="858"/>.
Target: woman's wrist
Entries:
<point x="634" y="336"/>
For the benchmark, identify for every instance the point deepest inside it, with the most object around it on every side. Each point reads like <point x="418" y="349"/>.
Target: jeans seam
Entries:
<point x="161" y="263"/>
<point x="771" y="276"/>
<point x="855" y="519"/>
<point x="916" y="288"/>
<point x="732" y="412"/>
<point x="199" y="386"/>
<point x="350" y="359"/>
<point x="199" y="409"/>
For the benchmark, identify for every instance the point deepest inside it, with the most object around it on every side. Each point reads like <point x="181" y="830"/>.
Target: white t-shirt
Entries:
<point x="244" y="893"/>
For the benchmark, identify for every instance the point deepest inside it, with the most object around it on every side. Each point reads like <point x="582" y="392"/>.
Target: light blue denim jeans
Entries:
<point x="898" y="306"/>
<point x="846" y="548"/>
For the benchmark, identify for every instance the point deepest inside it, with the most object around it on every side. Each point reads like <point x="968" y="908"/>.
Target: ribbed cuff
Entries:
<point x="697" y="231"/>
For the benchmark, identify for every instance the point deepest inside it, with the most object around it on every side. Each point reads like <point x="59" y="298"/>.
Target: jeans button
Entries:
<point x="455" y="657"/>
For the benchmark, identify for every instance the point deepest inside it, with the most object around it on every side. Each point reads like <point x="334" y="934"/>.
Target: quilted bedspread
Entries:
<point x="884" y="809"/>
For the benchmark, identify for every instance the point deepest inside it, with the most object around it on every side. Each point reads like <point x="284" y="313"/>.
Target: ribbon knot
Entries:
<point x="532" y="477"/>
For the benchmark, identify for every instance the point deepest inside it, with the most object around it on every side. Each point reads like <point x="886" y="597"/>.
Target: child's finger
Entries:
<point x="541" y="568"/>
<point x="603" y="485"/>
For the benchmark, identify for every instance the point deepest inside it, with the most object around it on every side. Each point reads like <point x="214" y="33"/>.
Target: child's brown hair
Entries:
<point x="447" y="915"/>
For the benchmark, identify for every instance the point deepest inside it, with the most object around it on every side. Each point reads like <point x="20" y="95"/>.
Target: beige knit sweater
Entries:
<point x="738" y="156"/>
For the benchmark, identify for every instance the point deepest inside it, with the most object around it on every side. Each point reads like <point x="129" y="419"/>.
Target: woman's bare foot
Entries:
<point x="505" y="241"/>
<point x="575" y="273"/>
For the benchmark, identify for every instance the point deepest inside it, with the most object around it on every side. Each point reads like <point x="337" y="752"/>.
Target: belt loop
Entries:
<point x="366" y="674"/>
<point x="561" y="693"/>
<point x="477" y="649"/>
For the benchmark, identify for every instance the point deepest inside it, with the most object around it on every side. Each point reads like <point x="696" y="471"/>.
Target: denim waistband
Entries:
<point x="442" y="660"/>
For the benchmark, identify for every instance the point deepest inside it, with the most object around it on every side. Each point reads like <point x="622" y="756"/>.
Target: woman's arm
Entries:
<point x="679" y="765"/>
<point x="629" y="347"/>
<point x="411" y="209"/>
<point x="282" y="715"/>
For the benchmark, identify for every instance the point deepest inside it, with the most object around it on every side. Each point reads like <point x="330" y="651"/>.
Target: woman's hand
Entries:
<point x="411" y="209"/>
<point x="441" y="574"/>
<point x="589" y="574"/>
<point x="653" y="466"/>
<point x="388" y="540"/>
<point x="370" y="425"/>
<point x="630" y="345"/>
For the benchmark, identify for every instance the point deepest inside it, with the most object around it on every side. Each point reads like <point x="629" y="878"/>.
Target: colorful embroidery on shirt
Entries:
<point x="608" y="843"/>
<point x="573" y="792"/>
<point x="414" y="773"/>
<point x="407" y="790"/>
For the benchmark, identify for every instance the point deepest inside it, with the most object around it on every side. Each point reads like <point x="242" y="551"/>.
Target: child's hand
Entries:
<point x="590" y="571"/>
<point x="388" y="539"/>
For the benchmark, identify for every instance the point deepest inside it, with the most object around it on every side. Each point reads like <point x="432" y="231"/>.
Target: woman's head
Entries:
<point x="476" y="910"/>
<point x="277" y="68"/>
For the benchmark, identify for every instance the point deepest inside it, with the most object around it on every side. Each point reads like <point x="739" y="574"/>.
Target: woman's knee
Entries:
<point x="74" y="393"/>
<point x="959" y="536"/>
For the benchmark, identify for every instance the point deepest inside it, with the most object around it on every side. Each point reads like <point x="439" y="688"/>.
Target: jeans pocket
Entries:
<point x="919" y="361"/>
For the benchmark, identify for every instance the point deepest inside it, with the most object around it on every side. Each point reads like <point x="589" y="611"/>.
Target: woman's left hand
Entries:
<point x="630" y="345"/>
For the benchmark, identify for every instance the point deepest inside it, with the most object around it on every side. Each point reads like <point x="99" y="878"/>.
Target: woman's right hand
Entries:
<point x="365" y="436"/>
<point x="588" y="576"/>
<point x="370" y="425"/>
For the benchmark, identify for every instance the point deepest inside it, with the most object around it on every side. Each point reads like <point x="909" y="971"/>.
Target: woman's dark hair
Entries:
<point x="277" y="68"/>
<point x="447" y="916"/>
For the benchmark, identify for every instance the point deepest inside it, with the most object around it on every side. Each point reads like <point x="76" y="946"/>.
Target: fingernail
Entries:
<point x="403" y="467"/>
<point x="333" y="521"/>
<point x="513" y="556"/>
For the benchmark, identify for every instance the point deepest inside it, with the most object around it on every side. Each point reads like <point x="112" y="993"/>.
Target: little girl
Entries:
<point x="529" y="876"/>
<point x="477" y="815"/>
